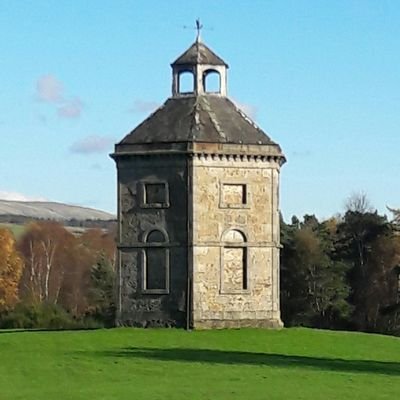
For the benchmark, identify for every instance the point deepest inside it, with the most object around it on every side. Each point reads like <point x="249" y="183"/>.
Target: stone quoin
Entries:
<point x="198" y="209"/>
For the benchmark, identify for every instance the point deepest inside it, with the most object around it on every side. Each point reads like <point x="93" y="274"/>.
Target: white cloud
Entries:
<point x="71" y="108"/>
<point x="143" y="106"/>
<point x="14" y="196"/>
<point x="49" y="89"/>
<point x="92" y="144"/>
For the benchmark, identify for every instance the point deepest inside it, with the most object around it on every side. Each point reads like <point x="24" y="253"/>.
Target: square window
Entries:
<point x="155" y="195"/>
<point x="234" y="195"/>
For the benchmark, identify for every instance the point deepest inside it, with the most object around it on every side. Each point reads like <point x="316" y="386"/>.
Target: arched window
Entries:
<point x="234" y="268"/>
<point x="155" y="263"/>
<point x="155" y="236"/>
<point x="186" y="82"/>
<point x="212" y="81"/>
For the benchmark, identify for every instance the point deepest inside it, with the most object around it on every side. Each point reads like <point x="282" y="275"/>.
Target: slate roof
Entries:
<point x="199" y="53"/>
<point x="204" y="118"/>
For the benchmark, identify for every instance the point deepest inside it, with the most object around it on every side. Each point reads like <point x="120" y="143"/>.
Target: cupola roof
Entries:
<point x="199" y="53"/>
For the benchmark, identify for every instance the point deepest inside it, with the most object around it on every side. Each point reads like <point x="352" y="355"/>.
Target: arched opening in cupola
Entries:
<point x="212" y="81"/>
<point x="186" y="82"/>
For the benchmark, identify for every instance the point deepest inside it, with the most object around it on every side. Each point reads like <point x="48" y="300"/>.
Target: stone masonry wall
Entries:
<point x="240" y="195"/>
<point x="162" y="207"/>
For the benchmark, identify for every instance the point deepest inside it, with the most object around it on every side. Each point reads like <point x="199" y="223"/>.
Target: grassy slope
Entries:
<point x="173" y="364"/>
<point x="16" y="229"/>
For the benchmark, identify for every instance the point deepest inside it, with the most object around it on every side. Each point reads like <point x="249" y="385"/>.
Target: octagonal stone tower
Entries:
<point x="198" y="198"/>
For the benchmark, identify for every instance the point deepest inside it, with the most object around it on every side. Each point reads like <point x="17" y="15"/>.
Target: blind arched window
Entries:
<point x="234" y="268"/>
<point x="155" y="263"/>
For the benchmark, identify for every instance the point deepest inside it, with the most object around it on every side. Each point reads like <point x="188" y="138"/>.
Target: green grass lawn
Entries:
<point x="164" y="364"/>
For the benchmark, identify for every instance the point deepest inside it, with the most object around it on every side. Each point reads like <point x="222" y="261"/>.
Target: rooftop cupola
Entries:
<point x="198" y="71"/>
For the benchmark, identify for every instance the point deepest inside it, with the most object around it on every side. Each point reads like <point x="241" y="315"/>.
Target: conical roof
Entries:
<point x="199" y="53"/>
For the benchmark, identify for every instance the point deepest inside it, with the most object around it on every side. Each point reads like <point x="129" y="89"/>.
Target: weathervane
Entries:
<point x="199" y="26"/>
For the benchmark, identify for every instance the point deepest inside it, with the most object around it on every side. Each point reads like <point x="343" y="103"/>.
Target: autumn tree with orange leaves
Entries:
<point x="11" y="266"/>
<point x="58" y="265"/>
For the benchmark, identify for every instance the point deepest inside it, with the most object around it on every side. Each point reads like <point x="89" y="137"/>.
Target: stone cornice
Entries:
<point x="204" y="151"/>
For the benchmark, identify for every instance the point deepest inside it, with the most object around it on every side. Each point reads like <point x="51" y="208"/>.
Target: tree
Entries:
<point x="358" y="203"/>
<point x="45" y="247"/>
<point x="314" y="288"/>
<point x="11" y="266"/>
<point x="366" y="242"/>
<point x="101" y="295"/>
<point x="93" y="247"/>
<point x="100" y="243"/>
<point x="381" y="292"/>
<point x="396" y="216"/>
<point x="59" y="266"/>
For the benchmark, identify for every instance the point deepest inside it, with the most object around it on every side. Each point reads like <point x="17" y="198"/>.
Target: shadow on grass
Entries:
<point x="246" y="358"/>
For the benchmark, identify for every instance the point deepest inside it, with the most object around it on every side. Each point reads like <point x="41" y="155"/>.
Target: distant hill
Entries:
<point x="10" y="211"/>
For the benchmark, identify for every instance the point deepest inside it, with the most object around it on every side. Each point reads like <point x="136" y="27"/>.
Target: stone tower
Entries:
<point x="198" y="209"/>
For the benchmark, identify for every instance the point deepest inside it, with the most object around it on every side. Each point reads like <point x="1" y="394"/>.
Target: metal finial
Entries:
<point x="199" y="27"/>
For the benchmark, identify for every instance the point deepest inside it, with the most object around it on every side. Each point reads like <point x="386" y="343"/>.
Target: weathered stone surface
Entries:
<point x="235" y="242"/>
<point x="141" y="229"/>
<point x="239" y="323"/>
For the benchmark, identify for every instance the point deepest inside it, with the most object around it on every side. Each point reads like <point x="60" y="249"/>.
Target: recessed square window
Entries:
<point x="234" y="195"/>
<point x="155" y="195"/>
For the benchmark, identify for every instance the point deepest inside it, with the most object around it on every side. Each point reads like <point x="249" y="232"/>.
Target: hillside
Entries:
<point x="164" y="364"/>
<point x="49" y="210"/>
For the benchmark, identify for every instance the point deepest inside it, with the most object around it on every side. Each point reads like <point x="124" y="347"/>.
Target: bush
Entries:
<point x="42" y="316"/>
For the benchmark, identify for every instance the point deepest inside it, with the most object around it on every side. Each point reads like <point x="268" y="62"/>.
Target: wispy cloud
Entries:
<point x="92" y="144"/>
<point x="15" y="196"/>
<point x="49" y="89"/>
<point x="249" y="109"/>
<point x="71" y="108"/>
<point x="143" y="106"/>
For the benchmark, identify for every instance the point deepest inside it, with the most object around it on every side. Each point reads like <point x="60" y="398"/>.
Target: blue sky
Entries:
<point x="321" y="77"/>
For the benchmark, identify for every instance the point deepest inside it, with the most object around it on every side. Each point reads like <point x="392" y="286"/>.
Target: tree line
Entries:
<point x="344" y="272"/>
<point x="339" y="273"/>
<point x="80" y="223"/>
<point x="51" y="278"/>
